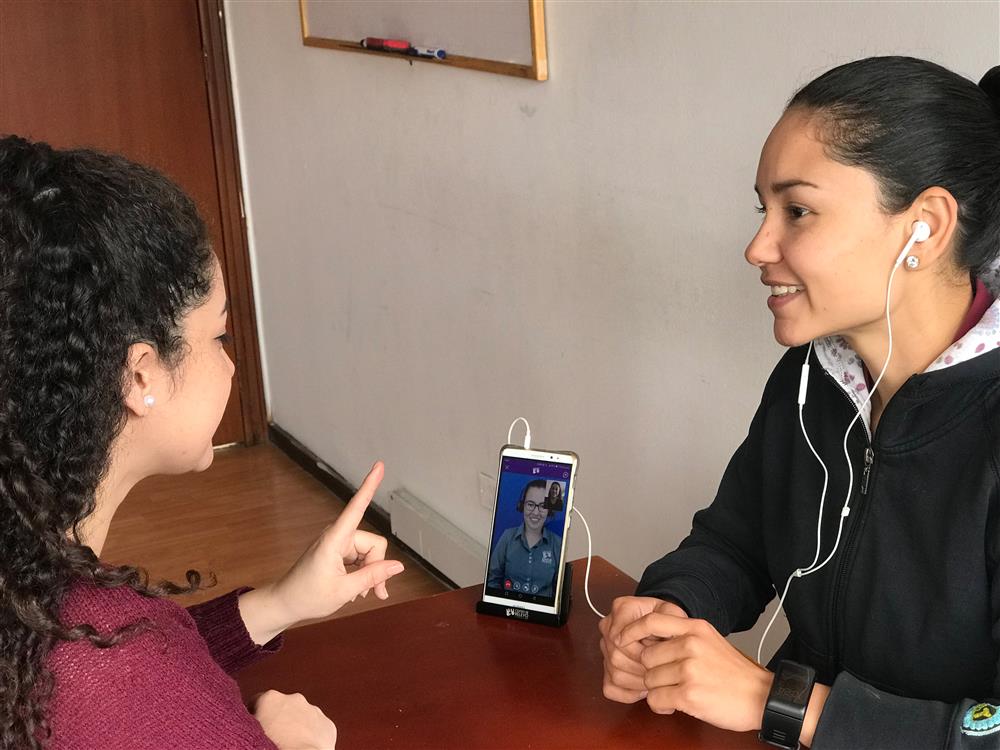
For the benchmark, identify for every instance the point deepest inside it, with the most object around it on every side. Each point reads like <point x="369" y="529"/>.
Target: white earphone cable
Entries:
<point x="846" y="509"/>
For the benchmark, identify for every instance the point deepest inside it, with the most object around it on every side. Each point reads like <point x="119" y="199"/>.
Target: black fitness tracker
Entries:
<point x="786" y="705"/>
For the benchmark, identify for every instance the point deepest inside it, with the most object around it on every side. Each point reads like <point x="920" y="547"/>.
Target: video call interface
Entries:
<point x="526" y="546"/>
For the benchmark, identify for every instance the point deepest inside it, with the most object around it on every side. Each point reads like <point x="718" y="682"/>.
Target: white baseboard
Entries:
<point x="436" y="539"/>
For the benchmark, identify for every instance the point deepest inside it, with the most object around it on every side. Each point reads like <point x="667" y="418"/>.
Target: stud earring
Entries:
<point x="912" y="261"/>
<point x="149" y="400"/>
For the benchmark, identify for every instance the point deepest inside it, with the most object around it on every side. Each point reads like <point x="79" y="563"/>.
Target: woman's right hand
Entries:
<point x="624" y="674"/>
<point x="292" y="723"/>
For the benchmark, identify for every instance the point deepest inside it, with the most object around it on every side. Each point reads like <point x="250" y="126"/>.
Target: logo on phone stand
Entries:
<point x="512" y="611"/>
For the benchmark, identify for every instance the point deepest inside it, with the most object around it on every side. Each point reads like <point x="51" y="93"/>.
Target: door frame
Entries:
<point x="237" y="273"/>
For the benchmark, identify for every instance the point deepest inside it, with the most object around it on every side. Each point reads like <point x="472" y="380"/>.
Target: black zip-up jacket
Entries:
<point x="904" y="622"/>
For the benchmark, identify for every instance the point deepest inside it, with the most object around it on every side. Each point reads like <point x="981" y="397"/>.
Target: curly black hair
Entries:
<point x="96" y="254"/>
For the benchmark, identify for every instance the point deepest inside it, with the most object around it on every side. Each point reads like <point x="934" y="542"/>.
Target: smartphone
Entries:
<point x="530" y="520"/>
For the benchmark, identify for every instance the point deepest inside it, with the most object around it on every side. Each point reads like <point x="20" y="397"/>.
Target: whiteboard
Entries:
<point x="499" y="36"/>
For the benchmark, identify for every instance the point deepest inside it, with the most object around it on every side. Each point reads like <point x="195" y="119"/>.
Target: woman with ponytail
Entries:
<point x="112" y="369"/>
<point x="866" y="495"/>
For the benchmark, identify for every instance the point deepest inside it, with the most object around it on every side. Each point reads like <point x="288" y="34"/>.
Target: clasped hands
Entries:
<point x="654" y="652"/>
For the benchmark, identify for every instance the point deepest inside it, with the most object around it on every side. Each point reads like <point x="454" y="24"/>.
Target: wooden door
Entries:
<point x="147" y="79"/>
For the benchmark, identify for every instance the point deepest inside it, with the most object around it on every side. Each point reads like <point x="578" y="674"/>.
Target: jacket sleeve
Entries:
<point x="220" y="624"/>
<point x="719" y="572"/>
<point x="860" y="717"/>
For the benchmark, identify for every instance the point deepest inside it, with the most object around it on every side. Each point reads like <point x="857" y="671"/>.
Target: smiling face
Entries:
<point x="825" y="246"/>
<point x="535" y="512"/>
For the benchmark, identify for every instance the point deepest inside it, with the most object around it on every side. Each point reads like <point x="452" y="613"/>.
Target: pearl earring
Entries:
<point x="912" y="261"/>
<point x="149" y="400"/>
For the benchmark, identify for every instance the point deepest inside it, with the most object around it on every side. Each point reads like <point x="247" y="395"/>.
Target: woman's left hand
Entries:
<point x="318" y="584"/>
<point x="698" y="672"/>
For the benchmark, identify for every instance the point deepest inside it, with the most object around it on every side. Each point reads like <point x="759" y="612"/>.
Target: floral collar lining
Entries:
<point x="841" y="361"/>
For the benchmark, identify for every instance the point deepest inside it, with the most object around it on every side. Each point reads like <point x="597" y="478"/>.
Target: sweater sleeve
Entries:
<point x="719" y="572"/>
<point x="158" y="689"/>
<point x="220" y="624"/>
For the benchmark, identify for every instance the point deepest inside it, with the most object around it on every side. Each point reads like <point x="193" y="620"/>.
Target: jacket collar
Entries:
<point x="845" y="366"/>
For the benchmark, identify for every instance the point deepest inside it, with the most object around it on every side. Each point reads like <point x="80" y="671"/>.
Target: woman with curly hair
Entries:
<point x="112" y="369"/>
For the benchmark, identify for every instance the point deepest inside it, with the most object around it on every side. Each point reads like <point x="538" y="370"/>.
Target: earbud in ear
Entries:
<point x="921" y="231"/>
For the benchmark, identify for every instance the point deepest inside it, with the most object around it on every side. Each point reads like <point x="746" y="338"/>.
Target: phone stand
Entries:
<point x="513" y="612"/>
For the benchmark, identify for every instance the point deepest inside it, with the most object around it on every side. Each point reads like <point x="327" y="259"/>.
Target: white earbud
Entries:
<point x="921" y="232"/>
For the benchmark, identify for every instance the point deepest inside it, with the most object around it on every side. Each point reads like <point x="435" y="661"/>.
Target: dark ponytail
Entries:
<point x="96" y="253"/>
<point x="914" y="125"/>
<point x="990" y="83"/>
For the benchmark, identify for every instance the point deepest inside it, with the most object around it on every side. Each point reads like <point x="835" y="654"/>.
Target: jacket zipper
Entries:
<point x="869" y="460"/>
<point x="840" y="578"/>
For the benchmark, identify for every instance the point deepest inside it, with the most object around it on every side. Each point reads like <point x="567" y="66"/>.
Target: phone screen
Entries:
<point x="529" y="523"/>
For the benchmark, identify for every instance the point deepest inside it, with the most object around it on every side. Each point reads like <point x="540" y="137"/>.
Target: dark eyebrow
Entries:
<point x="225" y="309"/>
<point x="780" y="187"/>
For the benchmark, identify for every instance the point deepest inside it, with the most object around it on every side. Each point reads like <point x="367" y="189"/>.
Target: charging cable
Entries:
<point x="527" y="432"/>
<point x="586" y="577"/>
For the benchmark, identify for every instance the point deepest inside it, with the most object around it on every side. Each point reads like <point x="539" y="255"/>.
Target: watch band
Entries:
<point x="786" y="704"/>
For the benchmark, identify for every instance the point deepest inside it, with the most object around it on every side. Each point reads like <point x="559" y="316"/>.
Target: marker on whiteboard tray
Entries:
<point x="386" y="45"/>
<point x="435" y="53"/>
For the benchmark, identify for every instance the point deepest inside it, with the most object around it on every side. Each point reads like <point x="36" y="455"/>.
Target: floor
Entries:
<point x="247" y="519"/>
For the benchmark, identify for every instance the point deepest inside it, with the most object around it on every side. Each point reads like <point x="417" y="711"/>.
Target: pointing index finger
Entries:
<point x="350" y="517"/>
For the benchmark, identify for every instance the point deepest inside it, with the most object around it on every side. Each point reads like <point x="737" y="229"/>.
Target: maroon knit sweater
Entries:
<point x="164" y="690"/>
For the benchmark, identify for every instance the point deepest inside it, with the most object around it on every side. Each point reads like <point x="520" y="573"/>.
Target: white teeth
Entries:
<point x="781" y="291"/>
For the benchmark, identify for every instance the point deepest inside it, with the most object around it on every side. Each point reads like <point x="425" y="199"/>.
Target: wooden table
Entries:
<point x="431" y="673"/>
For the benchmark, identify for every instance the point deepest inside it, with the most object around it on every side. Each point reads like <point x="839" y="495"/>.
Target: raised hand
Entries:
<point x="319" y="584"/>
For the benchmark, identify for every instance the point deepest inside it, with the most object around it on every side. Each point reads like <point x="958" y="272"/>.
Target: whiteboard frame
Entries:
<point x="537" y="71"/>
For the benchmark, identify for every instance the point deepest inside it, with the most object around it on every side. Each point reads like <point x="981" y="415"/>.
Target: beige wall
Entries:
<point x="438" y="251"/>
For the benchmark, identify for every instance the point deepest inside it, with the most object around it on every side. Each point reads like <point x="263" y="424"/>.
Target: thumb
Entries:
<point x="370" y="576"/>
